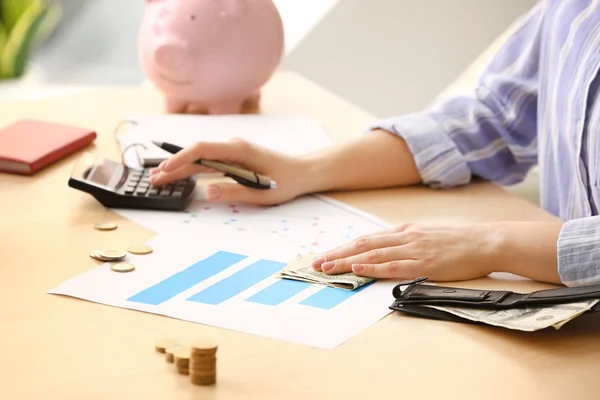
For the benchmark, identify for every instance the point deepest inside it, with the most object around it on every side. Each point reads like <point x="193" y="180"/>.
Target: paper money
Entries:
<point x="524" y="319"/>
<point x="300" y="269"/>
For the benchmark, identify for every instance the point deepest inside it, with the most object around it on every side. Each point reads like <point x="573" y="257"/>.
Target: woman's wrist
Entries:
<point x="527" y="249"/>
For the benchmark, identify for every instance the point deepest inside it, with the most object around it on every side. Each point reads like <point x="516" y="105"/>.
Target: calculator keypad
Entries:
<point x="138" y="184"/>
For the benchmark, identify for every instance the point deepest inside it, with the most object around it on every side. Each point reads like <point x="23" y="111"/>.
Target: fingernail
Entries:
<point x="213" y="192"/>
<point x="163" y="164"/>
<point x="154" y="171"/>
<point x="327" y="266"/>
<point x="318" y="261"/>
<point x="358" y="267"/>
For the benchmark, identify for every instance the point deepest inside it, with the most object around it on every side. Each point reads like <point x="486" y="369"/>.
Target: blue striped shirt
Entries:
<point x="537" y="103"/>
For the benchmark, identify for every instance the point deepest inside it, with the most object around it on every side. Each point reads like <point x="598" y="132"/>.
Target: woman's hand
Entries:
<point x="411" y="251"/>
<point x="442" y="253"/>
<point x="289" y="172"/>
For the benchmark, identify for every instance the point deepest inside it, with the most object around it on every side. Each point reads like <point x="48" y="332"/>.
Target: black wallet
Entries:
<point x="417" y="295"/>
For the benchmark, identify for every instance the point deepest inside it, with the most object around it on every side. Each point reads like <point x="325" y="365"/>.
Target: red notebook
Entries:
<point x="29" y="145"/>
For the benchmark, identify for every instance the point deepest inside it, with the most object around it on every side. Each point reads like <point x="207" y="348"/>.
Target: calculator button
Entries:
<point x="154" y="191"/>
<point x="165" y="193"/>
<point x="129" y="191"/>
<point x="177" y="193"/>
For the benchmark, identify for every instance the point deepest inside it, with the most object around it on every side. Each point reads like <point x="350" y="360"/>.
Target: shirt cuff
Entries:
<point x="579" y="252"/>
<point x="438" y="159"/>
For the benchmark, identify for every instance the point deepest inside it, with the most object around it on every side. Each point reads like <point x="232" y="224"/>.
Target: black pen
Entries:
<point x="240" y="175"/>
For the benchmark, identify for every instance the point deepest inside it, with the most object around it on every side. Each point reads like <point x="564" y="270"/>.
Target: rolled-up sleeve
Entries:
<point x="579" y="252"/>
<point x="492" y="133"/>
<point x="438" y="159"/>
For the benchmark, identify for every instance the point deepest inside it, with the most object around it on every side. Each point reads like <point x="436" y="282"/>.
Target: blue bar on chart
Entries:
<point x="238" y="282"/>
<point x="329" y="297"/>
<point x="279" y="292"/>
<point x="187" y="278"/>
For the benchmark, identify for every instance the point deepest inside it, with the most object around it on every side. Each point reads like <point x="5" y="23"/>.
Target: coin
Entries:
<point x="122" y="267"/>
<point x="113" y="254"/>
<point x="203" y="366"/>
<point x="96" y="254"/>
<point x="182" y="356"/>
<point x="170" y="351"/>
<point x="204" y="347"/>
<point x="203" y="379"/>
<point x="105" y="226"/>
<point x="161" y="345"/>
<point x="183" y="370"/>
<point x="139" y="249"/>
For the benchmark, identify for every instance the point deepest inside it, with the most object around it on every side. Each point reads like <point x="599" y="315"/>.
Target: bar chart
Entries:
<point x="221" y="269"/>
<point x="239" y="282"/>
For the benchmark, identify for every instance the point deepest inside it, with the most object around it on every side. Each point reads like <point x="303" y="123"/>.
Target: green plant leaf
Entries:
<point x="22" y="39"/>
<point x="12" y="10"/>
<point x="50" y="22"/>
<point x="3" y="37"/>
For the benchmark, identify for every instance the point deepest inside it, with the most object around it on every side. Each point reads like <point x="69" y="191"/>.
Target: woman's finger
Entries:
<point x="377" y="255"/>
<point x="357" y="246"/>
<point x="162" y="177"/>
<point x="235" y="150"/>
<point x="234" y="192"/>
<point x="400" y="269"/>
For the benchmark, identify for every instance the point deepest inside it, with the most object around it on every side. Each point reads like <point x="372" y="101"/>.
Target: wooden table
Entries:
<point x="55" y="347"/>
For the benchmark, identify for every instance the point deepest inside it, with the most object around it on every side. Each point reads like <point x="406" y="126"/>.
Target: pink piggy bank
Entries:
<point x="210" y="56"/>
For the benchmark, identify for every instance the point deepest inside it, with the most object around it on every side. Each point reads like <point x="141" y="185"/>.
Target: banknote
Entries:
<point x="300" y="269"/>
<point x="524" y="319"/>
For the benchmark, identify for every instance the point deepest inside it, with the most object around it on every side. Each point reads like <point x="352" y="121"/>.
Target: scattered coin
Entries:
<point x="162" y="344"/>
<point x="139" y="249"/>
<point x="105" y="226"/>
<point x="97" y="254"/>
<point x="122" y="267"/>
<point x="113" y="254"/>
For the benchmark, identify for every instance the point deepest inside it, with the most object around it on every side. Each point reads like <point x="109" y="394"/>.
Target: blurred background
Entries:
<point x="386" y="56"/>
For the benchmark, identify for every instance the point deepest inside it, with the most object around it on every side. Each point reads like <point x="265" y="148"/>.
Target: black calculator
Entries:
<point x="116" y="185"/>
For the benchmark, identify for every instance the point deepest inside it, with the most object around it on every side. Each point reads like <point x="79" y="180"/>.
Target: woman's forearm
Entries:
<point x="376" y="160"/>
<point x="528" y="249"/>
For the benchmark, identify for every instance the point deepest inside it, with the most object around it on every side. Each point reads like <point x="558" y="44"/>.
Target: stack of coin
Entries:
<point x="161" y="345"/>
<point x="203" y="363"/>
<point x="181" y="358"/>
<point x="170" y="351"/>
<point x="108" y="254"/>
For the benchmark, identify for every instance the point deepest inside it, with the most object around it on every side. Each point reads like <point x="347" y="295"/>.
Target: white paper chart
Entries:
<point x="312" y="223"/>
<point x="219" y="269"/>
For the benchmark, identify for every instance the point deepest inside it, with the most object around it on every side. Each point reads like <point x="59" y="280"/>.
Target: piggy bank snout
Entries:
<point x="174" y="59"/>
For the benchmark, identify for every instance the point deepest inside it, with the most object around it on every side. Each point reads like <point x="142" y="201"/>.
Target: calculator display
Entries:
<point x="104" y="172"/>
